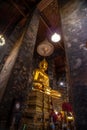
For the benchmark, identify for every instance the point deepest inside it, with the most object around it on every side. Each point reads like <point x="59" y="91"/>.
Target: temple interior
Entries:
<point x="43" y="64"/>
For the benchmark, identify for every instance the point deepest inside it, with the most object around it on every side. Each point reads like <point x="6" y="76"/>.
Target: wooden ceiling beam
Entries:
<point x="26" y="4"/>
<point x="17" y="7"/>
<point x="45" y="21"/>
<point x="43" y="4"/>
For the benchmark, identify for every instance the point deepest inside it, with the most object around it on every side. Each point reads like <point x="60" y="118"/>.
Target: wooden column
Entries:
<point x="74" y="22"/>
<point x="7" y="68"/>
<point x="20" y="73"/>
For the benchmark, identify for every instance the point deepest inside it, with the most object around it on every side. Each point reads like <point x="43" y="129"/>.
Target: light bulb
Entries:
<point x="2" y="40"/>
<point x="61" y="83"/>
<point x="55" y="37"/>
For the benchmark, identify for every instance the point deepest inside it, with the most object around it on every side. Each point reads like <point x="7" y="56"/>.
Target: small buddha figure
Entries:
<point x="40" y="78"/>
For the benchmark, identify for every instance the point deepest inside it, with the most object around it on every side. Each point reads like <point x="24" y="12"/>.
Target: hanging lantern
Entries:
<point x="2" y="40"/>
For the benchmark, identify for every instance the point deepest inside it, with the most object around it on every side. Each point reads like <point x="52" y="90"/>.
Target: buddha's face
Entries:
<point x="43" y="65"/>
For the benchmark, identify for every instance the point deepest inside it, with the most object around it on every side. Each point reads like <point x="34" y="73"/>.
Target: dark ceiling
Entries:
<point x="13" y="12"/>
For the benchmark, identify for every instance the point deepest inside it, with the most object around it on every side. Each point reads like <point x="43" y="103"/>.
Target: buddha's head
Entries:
<point x="43" y="65"/>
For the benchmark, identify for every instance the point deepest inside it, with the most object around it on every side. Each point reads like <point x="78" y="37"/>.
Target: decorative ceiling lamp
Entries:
<point x="2" y="40"/>
<point x="55" y="37"/>
<point x="45" y="48"/>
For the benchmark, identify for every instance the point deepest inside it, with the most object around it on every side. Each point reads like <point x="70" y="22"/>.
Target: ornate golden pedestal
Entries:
<point x="36" y="112"/>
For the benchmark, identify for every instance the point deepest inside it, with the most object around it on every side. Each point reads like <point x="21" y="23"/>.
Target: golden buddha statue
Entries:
<point x="40" y="78"/>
